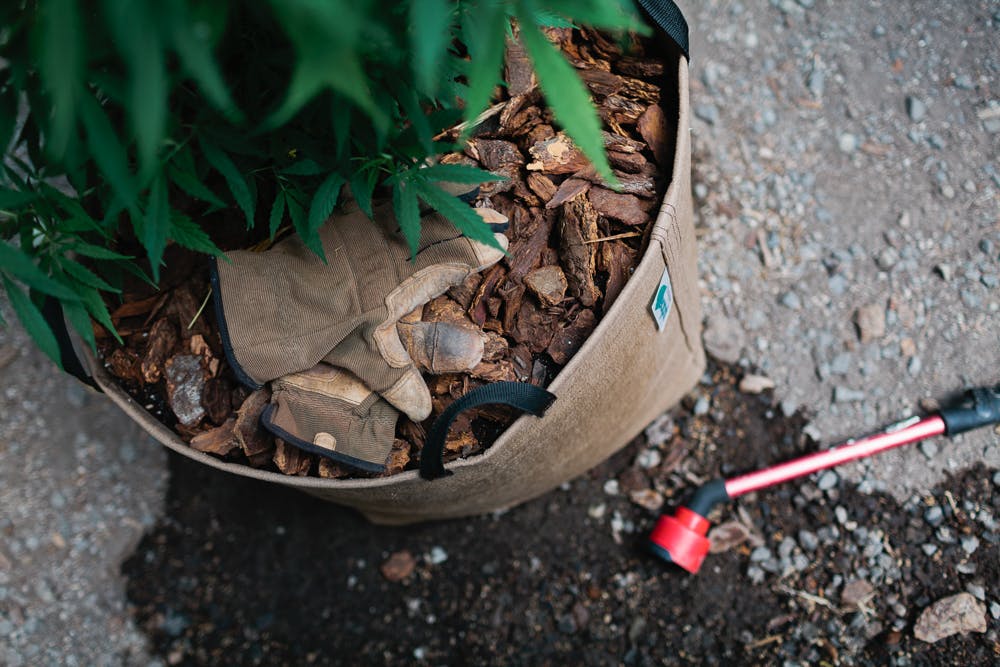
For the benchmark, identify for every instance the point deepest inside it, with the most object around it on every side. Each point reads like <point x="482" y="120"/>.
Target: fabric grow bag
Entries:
<point x="644" y="355"/>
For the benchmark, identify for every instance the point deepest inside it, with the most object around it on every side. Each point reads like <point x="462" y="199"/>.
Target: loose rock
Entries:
<point x="755" y="384"/>
<point x="870" y="320"/>
<point x="398" y="566"/>
<point x="955" y="614"/>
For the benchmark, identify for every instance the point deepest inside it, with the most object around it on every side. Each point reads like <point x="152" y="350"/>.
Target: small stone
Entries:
<point x="567" y="624"/>
<point x="969" y="544"/>
<point x="647" y="498"/>
<point x="661" y="430"/>
<point x="847" y="395"/>
<point x="760" y="555"/>
<point x="966" y="568"/>
<point x="847" y="142"/>
<point x="838" y="284"/>
<point x="707" y="112"/>
<point x="995" y="610"/>
<point x="702" y="406"/>
<point x="928" y="448"/>
<point x="437" y="556"/>
<point x="755" y="384"/>
<point x="724" y="338"/>
<point x="916" y="108"/>
<point x="945" y="271"/>
<point x="648" y="459"/>
<point x="827" y="480"/>
<point x="887" y="258"/>
<point x="934" y="516"/>
<point x="879" y="31"/>
<point x="987" y="246"/>
<point x="977" y="591"/>
<point x="914" y="366"/>
<point x="790" y="300"/>
<point x="856" y="592"/>
<point x="398" y="566"/>
<point x="964" y="82"/>
<point x="727" y="535"/>
<point x="929" y="549"/>
<point x="955" y="614"/>
<point x="907" y="347"/>
<point x="611" y="487"/>
<point x="800" y="562"/>
<point x="841" y="364"/>
<point x="870" y="320"/>
<point x="808" y="540"/>
<point x="947" y="191"/>
<point x="597" y="511"/>
<point x="789" y="407"/>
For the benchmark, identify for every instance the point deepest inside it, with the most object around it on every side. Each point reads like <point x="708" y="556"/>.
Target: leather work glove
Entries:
<point x="283" y="311"/>
<point x="330" y="412"/>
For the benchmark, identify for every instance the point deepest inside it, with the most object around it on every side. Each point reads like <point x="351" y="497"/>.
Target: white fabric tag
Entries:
<point x="663" y="301"/>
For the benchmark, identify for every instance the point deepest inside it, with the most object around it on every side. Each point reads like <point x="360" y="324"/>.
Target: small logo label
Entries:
<point x="663" y="301"/>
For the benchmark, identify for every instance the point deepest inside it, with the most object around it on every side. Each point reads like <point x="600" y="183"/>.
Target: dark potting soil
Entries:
<point x="241" y="572"/>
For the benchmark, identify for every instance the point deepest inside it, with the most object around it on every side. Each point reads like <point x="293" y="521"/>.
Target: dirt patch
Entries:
<point x="245" y="573"/>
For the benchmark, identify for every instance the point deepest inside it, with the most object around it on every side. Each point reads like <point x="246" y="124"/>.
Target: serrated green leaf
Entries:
<point x="60" y="63"/>
<point x="190" y="184"/>
<point x="92" y="301"/>
<point x="458" y="173"/>
<point x="607" y="14"/>
<point x="305" y="167"/>
<point x="568" y="98"/>
<point x="192" y="43"/>
<point x="238" y="185"/>
<point x="460" y="214"/>
<point x="188" y="234"/>
<point x="363" y="187"/>
<point x="33" y="322"/>
<point x="488" y="21"/>
<point x="107" y="150"/>
<point x="16" y="264"/>
<point x="430" y="35"/>
<point x="95" y="251"/>
<point x="79" y="319"/>
<point x="321" y="207"/>
<point x="277" y="214"/>
<point x="155" y="229"/>
<point x="296" y="211"/>
<point x="83" y="275"/>
<point x="337" y="70"/>
<point x="15" y="200"/>
<point x="407" y="209"/>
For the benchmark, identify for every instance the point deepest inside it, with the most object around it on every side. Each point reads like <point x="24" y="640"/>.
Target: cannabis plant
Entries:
<point x="132" y="124"/>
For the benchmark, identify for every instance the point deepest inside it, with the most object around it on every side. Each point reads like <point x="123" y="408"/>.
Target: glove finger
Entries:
<point x="462" y="250"/>
<point x="442" y="347"/>
<point x="330" y="412"/>
<point x="410" y="395"/>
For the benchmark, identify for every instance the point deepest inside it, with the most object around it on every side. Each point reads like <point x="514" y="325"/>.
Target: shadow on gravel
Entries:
<point x="240" y="572"/>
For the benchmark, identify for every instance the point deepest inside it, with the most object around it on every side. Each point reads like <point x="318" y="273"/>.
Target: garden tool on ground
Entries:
<point x="681" y="538"/>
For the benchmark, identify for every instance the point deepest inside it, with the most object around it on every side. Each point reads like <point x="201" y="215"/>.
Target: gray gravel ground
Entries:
<point x="847" y="178"/>
<point x="79" y="485"/>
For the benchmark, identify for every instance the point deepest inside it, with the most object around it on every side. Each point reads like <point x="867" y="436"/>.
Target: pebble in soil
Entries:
<point x="256" y="574"/>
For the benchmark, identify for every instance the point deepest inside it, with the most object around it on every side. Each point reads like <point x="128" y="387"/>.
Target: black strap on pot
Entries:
<point x="53" y="314"/>
<point x="668" y="17"/>
<point x="520" y="395"/>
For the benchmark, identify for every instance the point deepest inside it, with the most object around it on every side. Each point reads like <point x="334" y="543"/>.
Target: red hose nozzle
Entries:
<point x="681" y="539"/>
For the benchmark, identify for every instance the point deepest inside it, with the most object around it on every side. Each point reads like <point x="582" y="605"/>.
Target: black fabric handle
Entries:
<point x="53" y="314"/>
<point x="520" y="395"/>
<point x="668" y="17"/>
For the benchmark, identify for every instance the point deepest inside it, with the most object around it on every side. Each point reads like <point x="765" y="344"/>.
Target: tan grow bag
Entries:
<point x="626" y="374"/>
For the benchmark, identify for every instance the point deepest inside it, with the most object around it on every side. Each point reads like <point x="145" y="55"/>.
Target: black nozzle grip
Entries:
<point x="979" y="407"/>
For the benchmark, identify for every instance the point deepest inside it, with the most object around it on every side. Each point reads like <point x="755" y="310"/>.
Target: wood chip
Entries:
<point x="542" y="186"/>
<point x="216" y="399"/>
<point x="185" y="384"/>
<point x="497" y="154"/>
<point x="655" y="131"/>
<point x="399" y="457"/>
<point x="327" y="469"/>
<point x="291" y="460"/>
<point x="518" y="70"/>
<point x="256" y="443"/>
<point x="548" y="283"/>
<point x="624" y="208"/>
<point x="495" y="371"/>
<point x="569" y="190"/>
<point x="558" y="155"/>
<point x="160" y="344"/>
<point x="579" y="224"/>
<point x="617" y="260"/>
<point x="569" y="338"/>
<point x="534" y="327"/>
<point x="398" y="566"/>
<point x="478" y="310"/>
<point x="124" y="363"/>
<point x="220" y="440"/>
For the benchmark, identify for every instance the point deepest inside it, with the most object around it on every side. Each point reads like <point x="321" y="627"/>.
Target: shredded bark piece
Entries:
<point x="220" y="440"/>
<point x="579" y="224"/>
<point x="548" y="283"/>
<point x="624" y="208"/>
<point x="558" y="155"/>
<point x="161" y="342"/>
<point x="291" y="460"/>
<point x="570" y="189"/>
<point x="568" y="340"/>
<point x="655" y="131"/>
<point x="256" y="443"/>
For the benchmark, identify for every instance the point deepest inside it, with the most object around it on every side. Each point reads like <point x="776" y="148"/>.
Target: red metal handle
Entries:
<point x="894" y="437"/>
